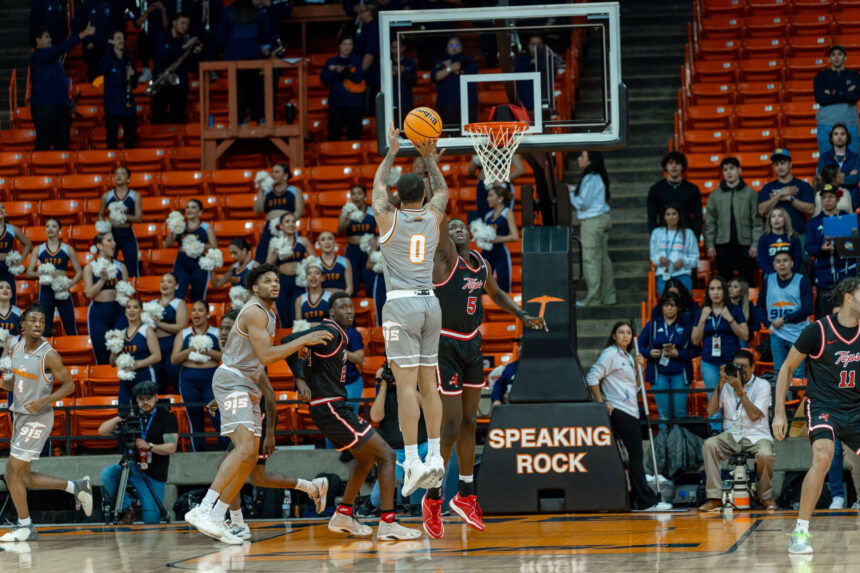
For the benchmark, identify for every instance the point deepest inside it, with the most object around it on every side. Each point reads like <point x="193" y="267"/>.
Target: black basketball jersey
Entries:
<point x="322" y="367"/>
<point x="833" y="355"/>
<point x="460" y="297"/>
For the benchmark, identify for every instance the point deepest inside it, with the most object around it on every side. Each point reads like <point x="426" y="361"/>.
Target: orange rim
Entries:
<point x="487" y="126"/>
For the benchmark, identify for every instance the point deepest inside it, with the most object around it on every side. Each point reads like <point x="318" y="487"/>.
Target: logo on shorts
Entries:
<point x="824" y="417"/>
<point x="391" y="331"/>
<point x="455" y="379"/>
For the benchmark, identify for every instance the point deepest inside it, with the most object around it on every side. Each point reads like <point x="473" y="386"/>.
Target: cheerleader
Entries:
<point x="10" y="315"/>
<point x="123" y="233"/>
<point x="61" y="256"/>
<point x="337" y="270"/>
<point x="312" y="305"/>
<point x="273" y="203"/>
<point x="105" y="313"/>
<point x="301" y="248"/>
<point x="240" y="251"/>
<point x="140" y="343"/>
<point x="187" y="269"/>
<point x="195" y="376"/>
<point x="378" y="291"/>
<point x="173" y="319"/>
<point x="7" y="241"/>
<point x="354" y="231"/>
<point x="501" y="218"/>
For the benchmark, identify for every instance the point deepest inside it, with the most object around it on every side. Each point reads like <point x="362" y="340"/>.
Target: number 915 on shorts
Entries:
<point x="410" y="327"/>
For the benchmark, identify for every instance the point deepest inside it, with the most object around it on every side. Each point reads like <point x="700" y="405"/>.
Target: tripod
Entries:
<point x="126" y="463"/>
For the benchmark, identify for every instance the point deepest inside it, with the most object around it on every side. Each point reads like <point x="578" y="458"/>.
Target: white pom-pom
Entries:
<point x="114" y="340"/>
<point x="302" y="270"/>
<point x="60" y="284"/>
<point x="394" y="176"/>
<point x="176" y="223"/>
<point x="239" y="295"/>
<point x="46" y="273"/>
<point x="275" y="228"/>
<point x="366" y="243"/>
<point x="104" y="268"/>
<point x="152" y="312"/>
<point x="117" y="213"/>
<point x="6" y="361"/>
<point x="101" y="227"/>
<point x="13" y="262"/>
<point x="124" y="364"/>
<point x="211" y="260"/>
<point x="4" y="335"/>
<point x="300" y="325"/>
<point x="200" y="343"/>
<point x="353" y="212"/>
<point x="378" y="262"/>
<point x="483" y="234"/>
<point x="283" y="246"/>
<point x="264" y="181"/>
<point x="192" y="246"/>
<point x="124" y="292"/>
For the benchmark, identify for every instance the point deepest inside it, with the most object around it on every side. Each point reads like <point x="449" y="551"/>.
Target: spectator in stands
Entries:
<point x="843" y="458"/>
<point x="120" y="79"/>
<point x="355" y="231"/>
<point x="141" y="344"/>
<point x="502" y="385"/>
<point x="104" y="313"/>
<point x="837" y="90"/>
<point x="616" y="373"/>
<point x="63" y="258"/>
<point x="483" y="206"/>
<point x="50" y="15"/>
<point x="830" y="175"/>
<point x="8" y="237"/>
<point x="152" y="23"/>
<point x="446" y="76"/>
<point x="733" y="227"/>
<point x="240" y="252"/>
<point x="173" y="320"/>
<point x="785" y="300"/>
<point x="779" y="237"/>
<point x="187" y="269"/>
<point x="312" y="305"/>
<point x="591" y="201"/>
<point x="367" y="48"/>
<point x="665" y="342"/>
<point x="688" y="310"/>
<point x="244" y="33"/>
<point x="158" y="439"/>
<point x="739" y="295"/>
<point x="10" y="315"/>
<point x="829" y="267"/>
<point x="848" y="161"/>
<point x="195" y="374"/>
<point x="169" y="104"/>
<point x="533" y="59"/>
<point x="282" y="198"/>
<point x="50" y="105"/>
<point x="404" y="71"/>
<point x="123" y="232"/>
<point x="720" y="328"/>
<point x="678" y="191"/>
<point x="501" y="218"/>
<point x="287" y="264"/>
<point x="105" y="16"/>
<point x="337" y="270"/>
<point x="343" y="74"/>
<point x="674" y="249"/>
<point x="744" y="400"/>
<point x="794" y="195"/>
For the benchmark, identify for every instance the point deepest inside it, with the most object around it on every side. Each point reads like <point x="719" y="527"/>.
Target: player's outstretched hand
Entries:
<point x="303" y="390"/>
<point x="779" y="426"/>
<point x="535" y="322"/>
<point x="316" y="338"/>
<point x="427" y="148"/>
<point x="393" y="139"/>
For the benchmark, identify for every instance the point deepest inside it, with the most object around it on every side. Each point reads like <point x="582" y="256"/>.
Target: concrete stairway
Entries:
<point x="14" y="51"/>
<point x="652" y="48"/>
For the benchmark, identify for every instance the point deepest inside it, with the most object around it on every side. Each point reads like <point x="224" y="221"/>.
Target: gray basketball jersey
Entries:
<point x="30" y="382"/>
<point x="238" y="353"/>
<point x="408" y="250"/>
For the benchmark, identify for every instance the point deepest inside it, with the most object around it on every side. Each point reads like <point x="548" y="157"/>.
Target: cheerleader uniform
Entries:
<point x="61" y="260"/>
<point x="357" y="257"/>
<point x="187" y="270"/>
<point x="499" y="257"/>
<point x="166" y="372"/>
<point x="334" y="277"/>
<point x="195" y="386"/>
<point x="11" y="321"/>
<point x="285" y="201"/>
<point x="138" y="348"/>
<point x="289" y="290"/>
<point x="104" y="316"/>
<point x="126" y="242"/>
<point x="7" y="242"/>
<point x="314" y="311"/>
<point x="237" y="277"/>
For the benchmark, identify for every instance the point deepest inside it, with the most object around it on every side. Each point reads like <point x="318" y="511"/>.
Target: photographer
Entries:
<point x="744" y="405"/>
<point x="151" y="434"/>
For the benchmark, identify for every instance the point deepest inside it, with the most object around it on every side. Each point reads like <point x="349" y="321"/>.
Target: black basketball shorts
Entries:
<point x="830" y="422"/>
<point x="339" y="423"/>
<point x="461" y="365"/>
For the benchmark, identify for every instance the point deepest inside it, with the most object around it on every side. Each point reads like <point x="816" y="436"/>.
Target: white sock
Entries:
<point x="411" y="453"/>
<point x="220" y="509"/>
<point x="465" y="479"/>
<point x="70" y="487"/>
<point x="210" y="499"/>
<point x="432" y="447"/>
<point x="802" y="526"/>
<point x="236" y="517"/>
<point x="305" y="486"/>
<point x="25" y="522"/>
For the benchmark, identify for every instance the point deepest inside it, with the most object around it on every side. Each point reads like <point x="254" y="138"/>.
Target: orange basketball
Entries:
<point x="422" y="123"/>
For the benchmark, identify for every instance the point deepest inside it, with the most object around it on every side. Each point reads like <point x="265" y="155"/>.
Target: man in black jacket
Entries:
<point x="675" y="189"/>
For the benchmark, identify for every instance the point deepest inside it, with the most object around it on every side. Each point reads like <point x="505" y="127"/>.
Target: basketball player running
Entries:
<point x="320" y="379"/>
<point x="411" y="317"/>
<point x="831" y="346"/>
<point x="35" y="368"/>
<point x="460" y="276"/>
<point x="237" y="387"/>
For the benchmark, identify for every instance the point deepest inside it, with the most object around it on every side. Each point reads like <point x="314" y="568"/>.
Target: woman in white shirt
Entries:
<point x="615" y="373"/>
<point x="591" y="201"/>
<point x="674" y="249"/>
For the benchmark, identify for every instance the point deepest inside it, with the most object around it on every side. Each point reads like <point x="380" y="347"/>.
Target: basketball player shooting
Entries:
<point x="411" y="317"/>
<point x="237" y="387"/>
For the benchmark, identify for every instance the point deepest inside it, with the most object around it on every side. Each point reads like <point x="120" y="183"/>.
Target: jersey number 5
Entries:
<point x="417" y="248"/>
<point x="846" y="379"/>
<point x="471" y="304"/>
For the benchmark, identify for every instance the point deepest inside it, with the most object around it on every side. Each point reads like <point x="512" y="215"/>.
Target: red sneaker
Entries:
<point x="431" y="514"/>
<point x="468" y="508"/>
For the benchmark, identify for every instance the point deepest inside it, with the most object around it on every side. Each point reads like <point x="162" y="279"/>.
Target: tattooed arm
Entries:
<point x="383" y="210"/>
<point x="438" y="186"/>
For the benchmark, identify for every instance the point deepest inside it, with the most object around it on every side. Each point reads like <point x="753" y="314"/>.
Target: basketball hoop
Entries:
<point x="496" y="142"/>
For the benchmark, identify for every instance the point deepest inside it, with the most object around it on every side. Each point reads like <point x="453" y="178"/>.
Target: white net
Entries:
<point x="496" y="143"/>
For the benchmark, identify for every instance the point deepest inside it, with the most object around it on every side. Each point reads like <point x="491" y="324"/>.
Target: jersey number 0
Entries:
<point x="417" y="248"/>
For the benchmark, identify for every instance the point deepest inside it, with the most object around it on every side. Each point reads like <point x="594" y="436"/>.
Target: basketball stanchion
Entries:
<point x="640" y="379"/>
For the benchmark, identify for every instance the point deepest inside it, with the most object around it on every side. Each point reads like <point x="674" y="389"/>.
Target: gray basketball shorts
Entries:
<point x="30" y="433"/>
<point x="238" y="402"/>
<point x="410" y="326"/>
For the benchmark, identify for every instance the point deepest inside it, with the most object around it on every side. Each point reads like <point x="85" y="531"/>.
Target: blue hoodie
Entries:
<point x="48" y="79"/>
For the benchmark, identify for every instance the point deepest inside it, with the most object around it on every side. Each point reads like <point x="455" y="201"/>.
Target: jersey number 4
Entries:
<point x="846" y="379"/>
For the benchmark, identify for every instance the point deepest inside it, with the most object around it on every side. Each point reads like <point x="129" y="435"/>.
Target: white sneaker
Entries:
<point x="205" y="523"/>
<point x="319" y="495"/>
<point x="414" y="476"/>
<point x="436" y="466"/>
<point x="340" y="523"/>
<point x="20" y="533"/>
<point x="661" y="506"/>
<point x="855" y="505"/>
<point x="228" y="537"/>
<point x="84" y="494"/>
<point x="838" y="502"/>
<point x="241" y="531"/>
<point x="395" y="532"/>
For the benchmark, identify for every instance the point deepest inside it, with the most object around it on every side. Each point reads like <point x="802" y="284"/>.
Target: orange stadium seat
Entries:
<point x="848" y="22"/>
<point x="185" y="158"/>
<point x="365" y="312"/>
<point x="765" y="115"/>
<point x="102" y="380"/>
<point x="161" y="260"/>
<point x="239" y="206"/>
<point x="68" y="211"/>
<point x="722" y="8"/>
<point x="766" y="26"/>
<point x="763" y="48"/>
<point x="287" y="414"/>
<point x="721" y="27"/>
<point x="499" y="336"/>
<point x="341" y="153"/>
<point x="720" y="50"/>
<point x="51" y="162"/>
<point x="320" y="224"/>
<point x="705" y="141"/>
<point x="796" y="113"/>
<point x="758" y="92"/>
<point x="280" y="375"/>
<point x="814" y="46"/>
<point x="755" y="164"/>
<point x="708" y="117"/>
<point x="804" y="68"/>
<point x="13" y="163"/>
<point x="227" y="230"/>
<point x="81" y="319"/>
<point x="712" y="94"/>
<point x="703" y="166"/>
<point x="156" y="209"/>
<point x="21" y="213"/>
<point x="90" y="413"/>
<point x="232" y="181"/>
<point x="761" y="70"/>
<point x="149" y="235"/>
<point x="369" y="368"/>
<point x="802" y="137"/>
<point x="74" y="349"/>
<point x="183" y="183"/>
<point x="81" y="235"/>
<point x="331" y="178"/>
<point x="83" y="186"/>
<point x="798" y="90"/>
<point x="145" y="159"/>
<point x="27" y="292"/>
<point x="330" y="203"/>
<point x="715" y="71"/>
<point x="102" y="161"/>
<point x="164" y="136"/>
<point x="5" y="424"/>
<point x="36" y="234"/>
<point x="211" y="207"/>
<point x="17" y="139"/>
<point x="91" y="210"/>
<point x="143" y="183"/>
<point x="755" y="139"/>
<point x="818" y="23"/>
<point x="33" y="187"/>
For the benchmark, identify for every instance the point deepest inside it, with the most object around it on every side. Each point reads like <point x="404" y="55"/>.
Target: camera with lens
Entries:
<point x="733" y="369"/>
<point x="128" y="431"/>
